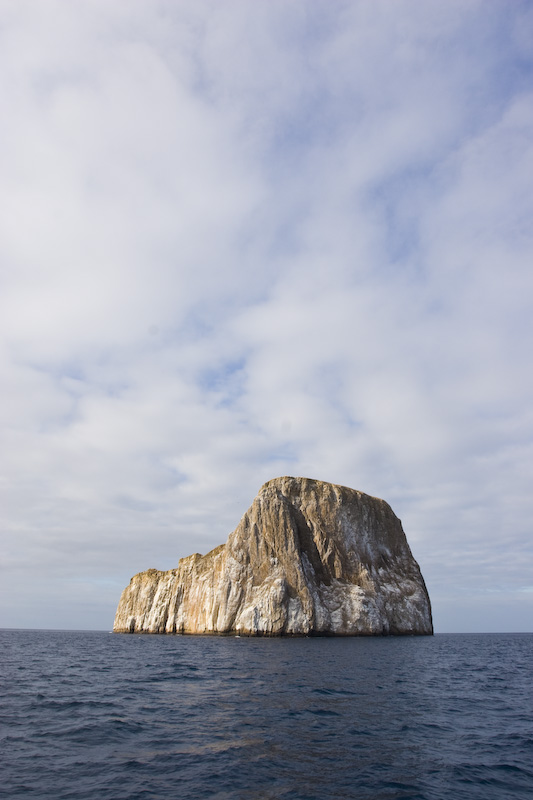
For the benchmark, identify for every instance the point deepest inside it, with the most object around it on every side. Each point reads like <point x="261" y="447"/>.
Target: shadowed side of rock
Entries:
<point x="307" y="557"/>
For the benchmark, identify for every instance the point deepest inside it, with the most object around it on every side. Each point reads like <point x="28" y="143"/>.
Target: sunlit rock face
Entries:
<point x="307" y="558"/>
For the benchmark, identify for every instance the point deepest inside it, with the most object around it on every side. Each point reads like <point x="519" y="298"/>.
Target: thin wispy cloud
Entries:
<point x="243" y="240"/>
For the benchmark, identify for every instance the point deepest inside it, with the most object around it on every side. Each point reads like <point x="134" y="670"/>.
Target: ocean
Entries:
<point x="101" y="716"/>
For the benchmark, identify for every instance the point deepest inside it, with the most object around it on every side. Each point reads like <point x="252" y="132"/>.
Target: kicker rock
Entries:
<point x="307" y="558"/>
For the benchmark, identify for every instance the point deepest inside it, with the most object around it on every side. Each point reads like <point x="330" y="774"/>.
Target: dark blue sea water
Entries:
<point x="103" y="716"/>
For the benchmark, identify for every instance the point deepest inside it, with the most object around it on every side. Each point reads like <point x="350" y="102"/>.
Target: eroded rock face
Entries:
<point x="307" y="558"/>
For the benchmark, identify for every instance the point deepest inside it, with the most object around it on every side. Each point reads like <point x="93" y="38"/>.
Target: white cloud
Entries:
<point x="243" y="240"/>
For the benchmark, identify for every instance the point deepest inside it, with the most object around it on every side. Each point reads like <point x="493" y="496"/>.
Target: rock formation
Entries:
<point x="307" y="558"/>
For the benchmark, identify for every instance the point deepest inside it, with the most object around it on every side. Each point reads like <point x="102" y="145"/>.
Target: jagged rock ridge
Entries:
<point x="307" y="557"/>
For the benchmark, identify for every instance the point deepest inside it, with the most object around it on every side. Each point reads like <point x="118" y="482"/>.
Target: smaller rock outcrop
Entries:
<point x="307" y="558"/>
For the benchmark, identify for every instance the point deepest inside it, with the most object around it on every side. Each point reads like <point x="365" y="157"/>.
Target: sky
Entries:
<point x="240" y="240"/>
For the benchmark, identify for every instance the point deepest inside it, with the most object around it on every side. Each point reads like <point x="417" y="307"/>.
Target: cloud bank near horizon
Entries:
<point x="244" y="240"/>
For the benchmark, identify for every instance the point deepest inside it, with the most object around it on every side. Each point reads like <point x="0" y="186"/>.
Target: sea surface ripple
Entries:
<point x="99" y="716"/>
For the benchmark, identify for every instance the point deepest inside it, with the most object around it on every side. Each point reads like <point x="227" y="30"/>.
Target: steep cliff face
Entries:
<point x="307" y="558"/>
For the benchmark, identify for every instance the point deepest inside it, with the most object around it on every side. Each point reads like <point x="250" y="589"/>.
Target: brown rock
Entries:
<point x="307" y="558"/>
